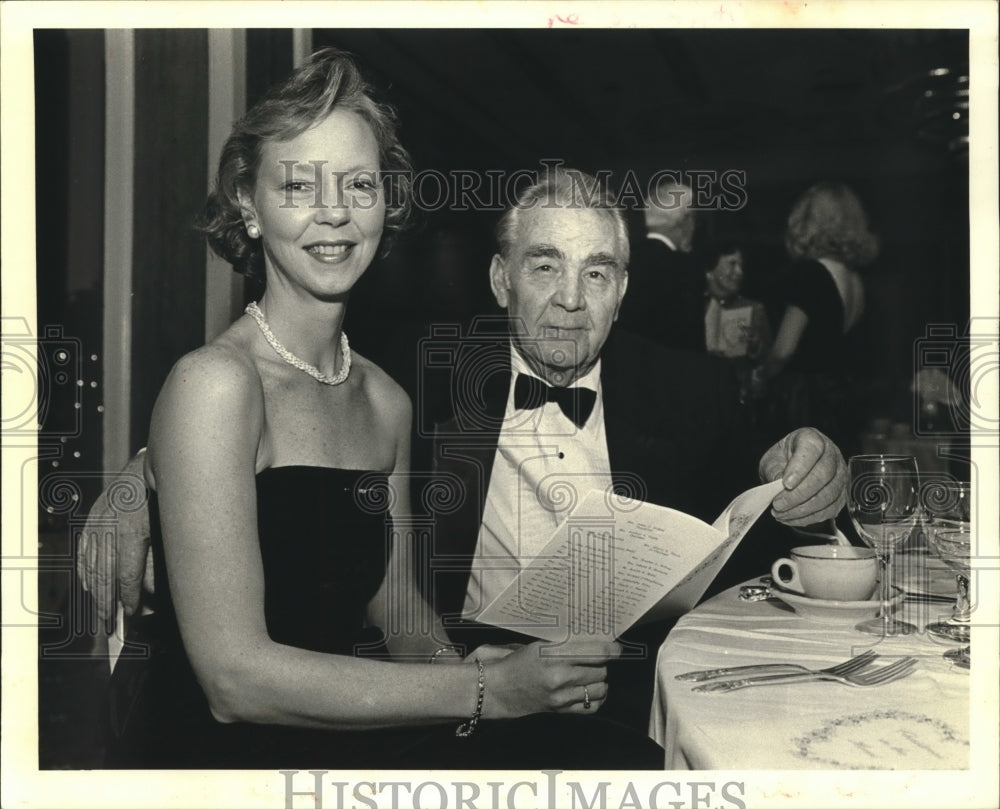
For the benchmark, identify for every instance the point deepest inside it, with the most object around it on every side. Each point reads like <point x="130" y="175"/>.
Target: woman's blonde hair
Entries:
<point x="828" y="221"/>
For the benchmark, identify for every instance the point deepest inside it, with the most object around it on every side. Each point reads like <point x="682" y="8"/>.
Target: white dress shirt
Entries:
<point x="544" y="464"/>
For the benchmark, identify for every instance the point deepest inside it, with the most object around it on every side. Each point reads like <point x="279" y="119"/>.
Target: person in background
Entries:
<point x="735" y="327"/>
<point x="807" y="375"/>
<point x="664" y="304"/>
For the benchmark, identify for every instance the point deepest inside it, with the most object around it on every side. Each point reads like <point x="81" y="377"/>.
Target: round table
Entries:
<point x="919" y="722"/>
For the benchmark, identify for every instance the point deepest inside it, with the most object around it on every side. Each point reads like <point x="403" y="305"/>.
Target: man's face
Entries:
<point x="562" y="286"/>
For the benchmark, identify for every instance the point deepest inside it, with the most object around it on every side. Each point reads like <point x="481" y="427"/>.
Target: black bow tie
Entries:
<point x="575" y="403"/>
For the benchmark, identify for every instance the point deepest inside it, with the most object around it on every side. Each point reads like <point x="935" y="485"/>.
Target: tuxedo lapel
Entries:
<point x="464" y="451"/>
<point x="656" y="436"/>
<point x="624" y="416"/>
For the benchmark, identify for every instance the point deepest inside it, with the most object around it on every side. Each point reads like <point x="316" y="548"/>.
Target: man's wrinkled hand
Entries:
<point x="814" y="474"/>
<point x="113" y="549"/>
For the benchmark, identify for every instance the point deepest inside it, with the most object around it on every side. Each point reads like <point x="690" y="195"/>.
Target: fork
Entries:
<point x="862" y="679"/>
<point x="853" y="664"/>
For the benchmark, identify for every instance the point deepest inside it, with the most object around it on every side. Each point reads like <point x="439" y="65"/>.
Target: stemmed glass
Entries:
<point x="946" y="505"/>
<point x="954" y="545"/>
<point x="883" y="501"/>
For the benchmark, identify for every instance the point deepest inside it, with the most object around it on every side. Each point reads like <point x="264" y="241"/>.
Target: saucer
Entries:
<point x="830" y="612"/>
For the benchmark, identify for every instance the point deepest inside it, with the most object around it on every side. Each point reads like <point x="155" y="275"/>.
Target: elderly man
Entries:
<point x="666" y="303"/>
<point x="560" y="403"/>
<point x="556" y="399"/>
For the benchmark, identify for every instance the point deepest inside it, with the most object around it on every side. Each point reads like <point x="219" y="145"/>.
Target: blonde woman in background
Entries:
<point x="807" y="373"/>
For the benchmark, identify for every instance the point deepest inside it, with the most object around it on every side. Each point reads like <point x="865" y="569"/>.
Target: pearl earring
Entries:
<point x="253" y="231"/>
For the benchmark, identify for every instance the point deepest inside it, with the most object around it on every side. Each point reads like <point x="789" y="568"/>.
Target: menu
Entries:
<point x="614" y="562"/>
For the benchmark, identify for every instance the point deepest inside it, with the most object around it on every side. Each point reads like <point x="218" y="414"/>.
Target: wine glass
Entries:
<point x="946" y="507"/>
<point x="883" y="501"/>
<point x="954" y="546"/>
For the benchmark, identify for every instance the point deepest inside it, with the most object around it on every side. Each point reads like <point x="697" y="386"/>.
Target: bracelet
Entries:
<point x="442" y="649"/>
<point x="468" y="728"/>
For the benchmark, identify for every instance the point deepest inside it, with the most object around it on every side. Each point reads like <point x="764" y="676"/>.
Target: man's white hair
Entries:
<point x="564" y="188"/>
<point x="669" y="203"/>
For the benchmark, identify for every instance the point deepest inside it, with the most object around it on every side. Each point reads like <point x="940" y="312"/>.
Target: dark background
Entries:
<point x="787" y="107"/>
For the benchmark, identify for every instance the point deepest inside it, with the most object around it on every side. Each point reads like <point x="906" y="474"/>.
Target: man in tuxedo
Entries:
<point x="554" y="403"/>
<point x="667" y="298"/>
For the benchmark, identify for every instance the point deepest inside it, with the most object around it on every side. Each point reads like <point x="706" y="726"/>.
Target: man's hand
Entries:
<point x="114" y="545"/>
<point x="814" y="474"/>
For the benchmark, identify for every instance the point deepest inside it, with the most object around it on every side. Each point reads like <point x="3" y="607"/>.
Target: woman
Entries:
<point x="278" y="462"/>
<point x="828" y="241"/>
<point x="735" y="327"/>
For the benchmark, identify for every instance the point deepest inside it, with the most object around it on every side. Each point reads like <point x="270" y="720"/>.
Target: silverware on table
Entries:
<point x="762" y="592"/>
<point x="854" y="663"/>
<point x="930" y="598"/>
<point x="755" y="592"/>
<point x="864" y="679"/>
<point x="960" y="657"/>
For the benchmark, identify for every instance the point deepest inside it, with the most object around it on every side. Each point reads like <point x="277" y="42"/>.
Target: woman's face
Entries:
<point x="726" y="278"/>
<point x="320" y="206"/>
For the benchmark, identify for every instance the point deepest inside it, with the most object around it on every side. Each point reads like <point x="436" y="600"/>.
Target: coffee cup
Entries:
<point x="829" y="572"/>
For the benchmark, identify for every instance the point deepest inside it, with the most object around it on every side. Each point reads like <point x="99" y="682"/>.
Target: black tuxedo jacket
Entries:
<point x="665" y="301"/>
<point x="675" y="432"/>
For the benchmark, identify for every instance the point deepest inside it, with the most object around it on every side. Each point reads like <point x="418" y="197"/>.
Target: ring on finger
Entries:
<point x="586" y="699"/>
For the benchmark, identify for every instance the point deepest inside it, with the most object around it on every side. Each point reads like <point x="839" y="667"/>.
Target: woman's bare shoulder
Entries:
<point x="212" y="386"/>
<point x="386" y="394"/>
<point x="211" y="402"/>
<point x="220" y="368"/>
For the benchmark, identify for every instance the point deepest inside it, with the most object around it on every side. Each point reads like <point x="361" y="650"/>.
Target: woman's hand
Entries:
<point x="566" y="678"/>
<point x="490" y="652"/>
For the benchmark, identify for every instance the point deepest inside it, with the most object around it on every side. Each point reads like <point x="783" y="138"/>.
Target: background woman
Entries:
<point x="828" y="241"/>
<point x="735" y="326"/>
<point x="278" y="461"/>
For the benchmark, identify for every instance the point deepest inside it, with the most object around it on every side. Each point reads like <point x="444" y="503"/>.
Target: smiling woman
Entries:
<point x="279" y="466"/>
<point x="316" y="207"/>
<point x="308" y="176"/>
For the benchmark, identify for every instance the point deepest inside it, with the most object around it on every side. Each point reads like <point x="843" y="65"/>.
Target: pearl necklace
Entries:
<point x="345" y="351"/>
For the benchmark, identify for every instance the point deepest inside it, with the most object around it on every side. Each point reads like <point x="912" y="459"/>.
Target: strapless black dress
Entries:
<point x="324" y="537"/>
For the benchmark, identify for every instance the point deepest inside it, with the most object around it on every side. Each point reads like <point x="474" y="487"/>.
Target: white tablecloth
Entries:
<point x="919" y="722"/>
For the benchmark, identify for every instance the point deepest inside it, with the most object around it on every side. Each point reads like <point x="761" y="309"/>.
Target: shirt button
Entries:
<point x="561" y="455"/>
